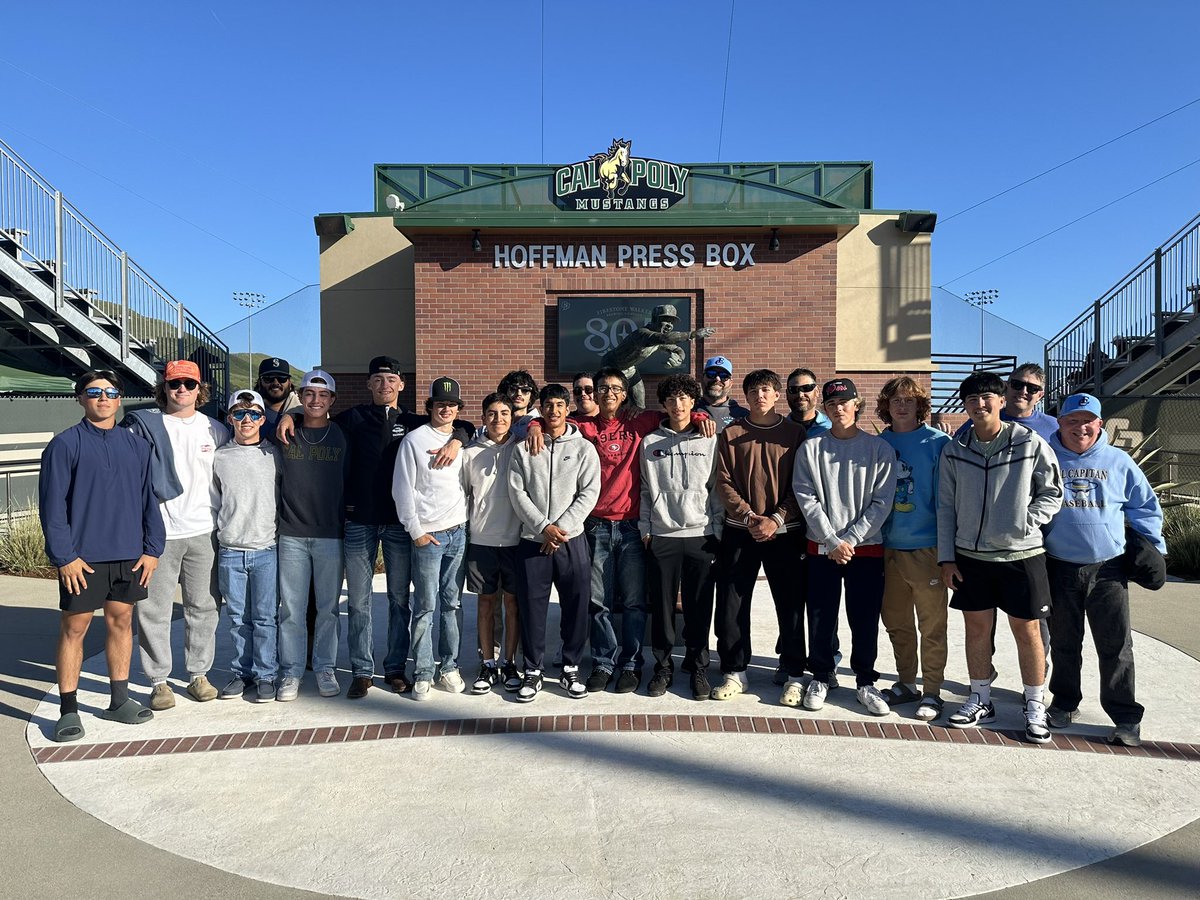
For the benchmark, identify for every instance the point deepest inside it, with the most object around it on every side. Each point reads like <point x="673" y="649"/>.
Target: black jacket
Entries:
<point x="1144" y="565"/>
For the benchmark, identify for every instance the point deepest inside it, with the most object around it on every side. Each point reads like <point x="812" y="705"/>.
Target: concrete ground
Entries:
<point x="807" y="805"/>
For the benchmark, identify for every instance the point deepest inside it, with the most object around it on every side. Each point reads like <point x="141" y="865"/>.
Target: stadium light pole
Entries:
<point x="981" y="299"/>
<point x="250" y="301"/>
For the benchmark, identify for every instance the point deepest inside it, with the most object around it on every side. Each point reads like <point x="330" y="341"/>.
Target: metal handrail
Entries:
<point x="91" y="271"/>
<point x="1130" y="320"/>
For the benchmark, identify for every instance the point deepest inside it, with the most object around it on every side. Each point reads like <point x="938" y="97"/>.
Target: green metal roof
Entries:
<point x="717" y="194"/>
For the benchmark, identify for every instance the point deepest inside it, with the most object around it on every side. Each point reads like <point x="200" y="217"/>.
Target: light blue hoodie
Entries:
<point x="1102" y="489"/>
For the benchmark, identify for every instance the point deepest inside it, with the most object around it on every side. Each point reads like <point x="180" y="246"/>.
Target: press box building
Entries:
<point x="473" y="270"/>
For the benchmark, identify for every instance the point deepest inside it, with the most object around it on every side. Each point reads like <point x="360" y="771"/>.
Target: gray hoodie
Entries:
<point x="493" y="520"/>
<point x="678" y="472"/>
<point x="559" y="486"/>
<point x="996" y="504"/>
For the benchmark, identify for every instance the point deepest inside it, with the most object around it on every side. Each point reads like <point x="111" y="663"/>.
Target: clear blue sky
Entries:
<point x="203" y="137"/>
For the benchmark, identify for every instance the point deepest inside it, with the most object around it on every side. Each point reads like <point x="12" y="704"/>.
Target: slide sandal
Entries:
<point x="68" y="728"/>
<point x="128" y="713"/>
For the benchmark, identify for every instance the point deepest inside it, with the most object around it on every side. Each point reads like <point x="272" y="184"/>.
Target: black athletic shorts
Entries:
<point x="491" y="569"/>
<point x="1020" y="588"/>
<point x="111" y="581"/>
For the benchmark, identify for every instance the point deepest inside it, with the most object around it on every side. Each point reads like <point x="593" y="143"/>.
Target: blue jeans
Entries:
<point x="250" y="587"/>
<point x="302" y="560"/>
<point x="362" y="544"/>
<point x="618" y="582"/>
<point x="438" y="573"/>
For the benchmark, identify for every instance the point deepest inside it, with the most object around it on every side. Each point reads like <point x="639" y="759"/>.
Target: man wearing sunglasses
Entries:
<point x="183" y="444"/>
<point x="246" y="472"/>
<point x="274" y="385"/>
<point x="104" y="532"/>
<point x="802" y="397"/>
<point x="1022" y="393"/>
<point x="718" y="377"/>
<point x="584" y="392"/>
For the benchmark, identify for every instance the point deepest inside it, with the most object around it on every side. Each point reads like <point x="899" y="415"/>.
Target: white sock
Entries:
<point x="983" y="688"/>
<point x="739" y="677"/>
<point x="1035" y="692"/>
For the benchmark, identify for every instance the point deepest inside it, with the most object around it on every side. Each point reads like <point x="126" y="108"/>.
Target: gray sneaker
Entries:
<point x="289" y="689"/>
<point x="1057" y="717"/>
<point x="1126" y="735"/>
<point x="235" y="688"/>
<point x="266" y="692"/>
<point x="327" y="684"/>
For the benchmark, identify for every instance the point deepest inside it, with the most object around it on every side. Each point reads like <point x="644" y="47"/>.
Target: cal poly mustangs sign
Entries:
<point x="617" y="180"/>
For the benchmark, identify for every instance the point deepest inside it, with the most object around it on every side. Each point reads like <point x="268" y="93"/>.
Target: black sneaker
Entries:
<point x="1126" y="735"/>
<point x="629" y="681"/>
<point x="1057" y="717"/>
<point x="598" y="680"/>
<point x="530" y="687"/>
<point x="572" y="683"/>
<point x="511" y="677"/>
<point x="488" y="677"/>
<point x="701" y="689"/>
<point x="659" y="683"/>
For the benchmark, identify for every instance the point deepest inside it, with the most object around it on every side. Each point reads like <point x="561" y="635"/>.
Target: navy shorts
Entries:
<point x="491" y="569"/>
<point x="1020" y="588"/>
<point x="111" y="581"/>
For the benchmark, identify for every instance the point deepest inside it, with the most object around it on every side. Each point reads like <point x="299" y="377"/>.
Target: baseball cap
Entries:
<point x="445" y="389"/>
<point x="319" y="378"/>
<point x="666" y="311"/>
<point x="273" y="365"/>
<point x="719" y="362"/>
<point x="384" y="365"/>
<point x="838" y="389"/>
<point x="1080" y="403"/>
<point x="181" y="368"/>
<point x="252" y="396"/>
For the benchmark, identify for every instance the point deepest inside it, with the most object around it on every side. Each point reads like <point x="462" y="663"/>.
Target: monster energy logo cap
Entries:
<point x="445" y="389"/>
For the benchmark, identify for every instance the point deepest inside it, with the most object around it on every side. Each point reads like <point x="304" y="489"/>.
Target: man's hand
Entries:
<point x="535" y="441"/>
<point x="701" y="333"/>
<point x="285" y="429"/>
<point x="71" y="576"/>
<point x="951" y="575"/>
<point x="842" y="553"/>
<point x="763" y="528"/>
<point x="425" y="539"/>
<point x="549" y="547"/>
<point x="146" y="565"/>
<point x="707" y="427"/>
<point x="447" y="455"/>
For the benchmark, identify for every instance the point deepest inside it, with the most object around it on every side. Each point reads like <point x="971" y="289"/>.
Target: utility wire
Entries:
<point x="725" y="89"/>
<point x="159" y="206"/>
<point x="1069" y="224"/>
<point x="1069" y="161"/>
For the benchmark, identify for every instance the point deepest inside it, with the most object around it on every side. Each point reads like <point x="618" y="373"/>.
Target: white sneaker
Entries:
<point x="814" y="694"/>
<point x="327" y="684"/>
<point x="452" y="681"/>
<point x="1036" y="731"/>
<point x="869" y="696"/>
<point x="421" y="690"/>
<point x="289" y="689"/>
<point x="793" y="694"/>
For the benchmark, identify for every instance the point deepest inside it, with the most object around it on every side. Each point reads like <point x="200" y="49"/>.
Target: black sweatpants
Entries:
<point x="680" y="566"/>
<point x="863" y="578"/>
<point x="569" y="569"/>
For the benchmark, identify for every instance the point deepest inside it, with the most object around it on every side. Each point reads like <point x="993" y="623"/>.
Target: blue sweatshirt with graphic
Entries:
<point x="912" y="523"/>
<point x="96" y="497"/>
<point x="1102" y="489"/>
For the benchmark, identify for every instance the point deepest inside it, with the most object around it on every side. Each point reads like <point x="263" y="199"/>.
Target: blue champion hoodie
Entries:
<point x="1102" y="488"/>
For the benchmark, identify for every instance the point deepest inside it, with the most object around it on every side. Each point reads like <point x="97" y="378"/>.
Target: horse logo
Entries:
<point x="613" y="168"/>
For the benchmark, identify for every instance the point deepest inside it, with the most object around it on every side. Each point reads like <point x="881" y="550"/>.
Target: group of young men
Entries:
<point x="623" y="511"/>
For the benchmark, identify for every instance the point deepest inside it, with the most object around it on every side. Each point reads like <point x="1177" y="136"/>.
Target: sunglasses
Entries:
<point x="96" y="393"/>
<point x="1027" y="386"/>
<point x="717" y="374"/>
<point x="176" y="383"/>
<point x="240" y="415"/>
<point x="801" y="388"/>
<point x="276" y="379"/>
<point x="580" y="391"/>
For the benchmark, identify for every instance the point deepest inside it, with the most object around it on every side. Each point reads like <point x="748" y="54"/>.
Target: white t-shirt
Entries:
<point x="194" y="443"/>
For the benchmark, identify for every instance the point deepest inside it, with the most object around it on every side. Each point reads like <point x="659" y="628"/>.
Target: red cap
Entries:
<point x="182" y="368"/>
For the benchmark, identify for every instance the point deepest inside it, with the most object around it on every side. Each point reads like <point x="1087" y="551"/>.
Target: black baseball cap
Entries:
<point x="445" y="389"/>
<point x="273" y="365"/>
<point x="838" y="389"/>
<point x="384" y="365"/>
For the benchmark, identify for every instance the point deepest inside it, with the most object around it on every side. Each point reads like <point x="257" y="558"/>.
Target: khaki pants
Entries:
<point x="912" y="581"/>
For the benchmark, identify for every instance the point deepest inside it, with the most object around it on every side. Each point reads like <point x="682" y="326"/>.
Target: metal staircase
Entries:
<point x="72" y="300"/>
<point x="1142" y="337"/>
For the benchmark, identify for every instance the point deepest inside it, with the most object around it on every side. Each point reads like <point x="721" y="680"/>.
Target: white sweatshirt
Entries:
<point x="427" y="499"/>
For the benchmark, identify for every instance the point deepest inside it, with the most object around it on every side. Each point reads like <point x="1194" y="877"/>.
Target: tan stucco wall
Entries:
<point x="883" y="298"/>
<point x="367" y="297"/>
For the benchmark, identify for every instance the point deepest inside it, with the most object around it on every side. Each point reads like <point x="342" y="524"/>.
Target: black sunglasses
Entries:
<point x="1029" y="387"/>
<point x="176" y="383"/>
<point x="801" y="388"/>
<point x="95" y="393"/>
<point x="276" y="379"/>
<point x="580" y="391"/>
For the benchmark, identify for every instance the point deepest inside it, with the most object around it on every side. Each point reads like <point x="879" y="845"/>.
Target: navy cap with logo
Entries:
<point x="384" y="365"/>
<point x="273" y="365"/>
<point x="838" y="389"/>
<point x="445" y="389"/>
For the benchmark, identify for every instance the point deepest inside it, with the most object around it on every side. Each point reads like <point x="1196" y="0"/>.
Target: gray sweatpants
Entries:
<point x="190" y="563"/>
